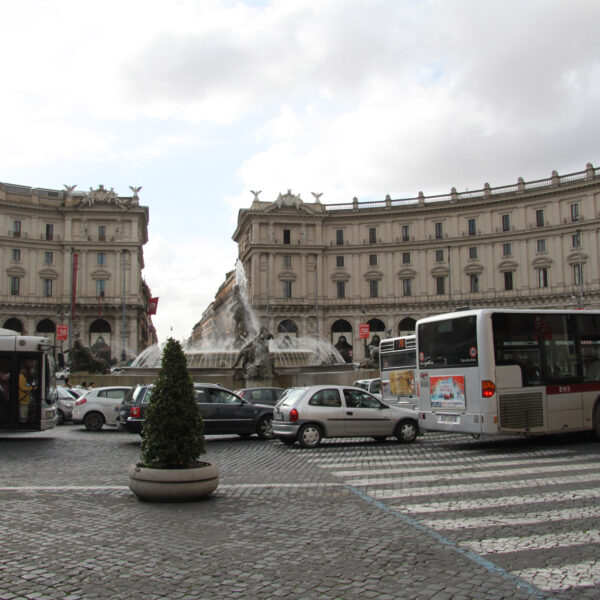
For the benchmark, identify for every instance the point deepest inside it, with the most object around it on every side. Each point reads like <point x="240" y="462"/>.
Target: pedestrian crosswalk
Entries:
<point x="533" y="510"/>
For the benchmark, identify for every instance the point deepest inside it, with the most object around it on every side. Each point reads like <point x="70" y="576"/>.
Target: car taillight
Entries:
<point x="135" y="412"/>
<point x="488" y="388"/>
<point x="293" y="415"/>
<point x="80" y="401"/>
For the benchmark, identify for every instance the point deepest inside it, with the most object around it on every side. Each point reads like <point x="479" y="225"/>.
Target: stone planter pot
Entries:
<point x="173" y="485"/>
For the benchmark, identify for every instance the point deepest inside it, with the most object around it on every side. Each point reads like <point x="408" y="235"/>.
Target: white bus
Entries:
<point x="510" y="371"/>
<point x="397" y="365"/>
<point x="27" y="393"/>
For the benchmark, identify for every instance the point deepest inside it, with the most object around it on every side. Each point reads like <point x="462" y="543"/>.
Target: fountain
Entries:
<point x="246" y="348"/>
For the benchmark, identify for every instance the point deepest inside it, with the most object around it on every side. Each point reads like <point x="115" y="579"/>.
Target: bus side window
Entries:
<point x="593" y="371"/>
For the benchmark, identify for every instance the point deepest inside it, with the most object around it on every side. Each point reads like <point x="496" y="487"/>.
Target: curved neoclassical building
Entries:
<point x="74" y="259"/>
<point x="324" y="269"/>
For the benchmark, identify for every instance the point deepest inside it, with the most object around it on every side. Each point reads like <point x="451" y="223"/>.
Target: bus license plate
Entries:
<point x="448" y="418"/>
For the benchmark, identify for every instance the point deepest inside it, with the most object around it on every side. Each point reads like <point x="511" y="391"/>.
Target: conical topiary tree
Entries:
<point x="173" y="433"/>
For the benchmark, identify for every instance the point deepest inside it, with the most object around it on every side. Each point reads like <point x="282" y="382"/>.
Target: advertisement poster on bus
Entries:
<point x="448" y="391"/>
<point x="402" y="382"/>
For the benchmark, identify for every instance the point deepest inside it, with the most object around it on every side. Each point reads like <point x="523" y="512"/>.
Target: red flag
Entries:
<point x="152" y="306"/>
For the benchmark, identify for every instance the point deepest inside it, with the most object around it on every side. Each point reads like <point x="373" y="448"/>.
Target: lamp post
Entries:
<point x="124" y="253"/>
<point x="449" y="282"/>
<point x="580" y="296"/>
<point x="316" y="296"/>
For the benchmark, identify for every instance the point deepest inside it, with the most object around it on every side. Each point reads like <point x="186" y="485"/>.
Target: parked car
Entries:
<point x="261" y="395"/>
<point x="99" y="406"/>
<point x="373" y="386"/>
<point x="65" y="402"/>
<point x="309" y="414"/>
<point x="222" y="410"/>
<point x="63" y="373"/>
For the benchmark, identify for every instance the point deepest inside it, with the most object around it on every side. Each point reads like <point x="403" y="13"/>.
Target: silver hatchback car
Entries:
<point x="309" y="414"/>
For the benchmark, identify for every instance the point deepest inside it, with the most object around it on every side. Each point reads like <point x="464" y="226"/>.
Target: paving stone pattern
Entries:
<point x="448" y="517"/>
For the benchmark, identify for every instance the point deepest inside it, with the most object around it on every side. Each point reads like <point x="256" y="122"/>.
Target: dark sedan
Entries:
<point x="223" y="412"/>
<point x="261" y="395"/>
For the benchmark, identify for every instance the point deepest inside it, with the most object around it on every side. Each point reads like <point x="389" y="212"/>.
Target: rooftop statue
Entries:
<point x="289" y="199"/>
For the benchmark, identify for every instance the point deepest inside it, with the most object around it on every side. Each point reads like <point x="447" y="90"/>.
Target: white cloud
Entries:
<point x="201" y="101"/>
<point x="185" y="276"/>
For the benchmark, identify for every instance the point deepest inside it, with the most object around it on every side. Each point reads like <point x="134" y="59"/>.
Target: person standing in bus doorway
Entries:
<point x="4" y="391"/>
<point x="26" y="388"/>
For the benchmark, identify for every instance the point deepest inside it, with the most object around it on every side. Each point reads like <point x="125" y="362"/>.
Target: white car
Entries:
<point x="99" y="406"/>
<point x="309" y="414"/>
<point x="373" y="386"/>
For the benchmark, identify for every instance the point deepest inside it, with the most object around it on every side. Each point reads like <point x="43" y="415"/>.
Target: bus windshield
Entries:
<point x="448" y="343"/>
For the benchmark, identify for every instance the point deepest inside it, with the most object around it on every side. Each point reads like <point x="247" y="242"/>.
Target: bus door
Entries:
<point x="449" y="383"/>
<point x="20" y="391"/>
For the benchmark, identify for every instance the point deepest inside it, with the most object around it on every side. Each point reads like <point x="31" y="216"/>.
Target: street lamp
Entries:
<point x="580" y="297"/>
<point x="124" y="253"/>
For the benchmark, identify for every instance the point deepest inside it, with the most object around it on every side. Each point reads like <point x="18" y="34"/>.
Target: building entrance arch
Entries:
<point x="100" y="339"/>
<point x="14" y="324"/>
<point x="341" y="338"/>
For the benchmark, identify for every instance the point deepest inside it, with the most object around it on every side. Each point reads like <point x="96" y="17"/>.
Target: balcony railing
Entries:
<point x="487" y="191"/>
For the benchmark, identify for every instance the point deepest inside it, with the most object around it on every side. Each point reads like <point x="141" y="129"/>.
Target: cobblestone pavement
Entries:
<point x="446" y="517"/>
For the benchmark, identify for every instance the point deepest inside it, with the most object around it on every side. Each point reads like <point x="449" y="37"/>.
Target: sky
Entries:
<point x="200" y="102"/>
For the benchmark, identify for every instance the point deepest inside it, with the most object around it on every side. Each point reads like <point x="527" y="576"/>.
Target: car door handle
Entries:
<point x="349" y="412"/>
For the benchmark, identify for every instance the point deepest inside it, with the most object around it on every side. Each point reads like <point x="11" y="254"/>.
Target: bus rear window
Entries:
<point x="448" y="343"/>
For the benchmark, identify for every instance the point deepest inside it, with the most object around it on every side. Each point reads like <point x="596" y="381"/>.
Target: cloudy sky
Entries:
<point x="201" y="101"/>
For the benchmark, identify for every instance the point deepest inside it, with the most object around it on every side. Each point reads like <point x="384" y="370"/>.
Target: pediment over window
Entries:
<point x="100" y="274"/>
<point x="373" y="274"/>
<point x="407" y="273"/>
<point x="340" y="276"/>
<point x="508" y="265"/>
<point x="287" y="276"/>
<point x="542" y="262"/>
<point x="48" y="274"/>
<point x="576" y="258"/>
<point x="474" y="269"/>
<point x="439" y="271"/>
<point x="16" y="272"/>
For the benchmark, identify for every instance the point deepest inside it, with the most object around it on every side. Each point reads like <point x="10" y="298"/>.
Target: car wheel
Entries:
<point x="61" y="417"/>
<point x="264" y="429"/>
<point x="93" y="421"/>
<point x="310" y="436"/>
<point x="406" y="431"/>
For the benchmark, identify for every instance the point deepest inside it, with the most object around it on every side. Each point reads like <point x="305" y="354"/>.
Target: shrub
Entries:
<point x="173" y="433"/>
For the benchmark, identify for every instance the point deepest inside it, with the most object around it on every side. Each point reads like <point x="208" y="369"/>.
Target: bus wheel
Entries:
<point x="596" y="414"/>
<point x="93" y="421"/>
<point x="406" y="431"/>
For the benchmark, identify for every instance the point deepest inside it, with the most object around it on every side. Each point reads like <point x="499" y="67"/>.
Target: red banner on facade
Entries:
<point x="152" y="306"/>
<point x="74" y="287"/>
<point x="62" y="332"/>
<point x="363" y="331"/>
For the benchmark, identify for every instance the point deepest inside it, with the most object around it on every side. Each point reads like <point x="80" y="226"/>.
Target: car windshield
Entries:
<point x="364" y="385"/>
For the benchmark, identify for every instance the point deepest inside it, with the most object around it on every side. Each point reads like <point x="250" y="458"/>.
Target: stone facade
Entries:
<point x="324" y="269"/>
<point x="46" y="236"/>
